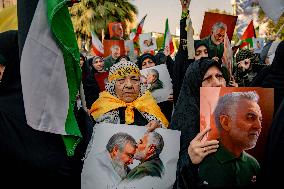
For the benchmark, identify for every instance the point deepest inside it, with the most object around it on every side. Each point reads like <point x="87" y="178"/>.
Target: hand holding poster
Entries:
<point x="122" y="156"/>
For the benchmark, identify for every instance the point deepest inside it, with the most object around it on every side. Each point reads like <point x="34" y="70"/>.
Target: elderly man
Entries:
<point x="148" y="151"/>
<point x="215" y="41"/>
<point x="153" y="80"/>
<point x="117" y="31"/>
<point x="238" y="118"/>
<point x="126" y="100"/>
<point x="111" y="59"/>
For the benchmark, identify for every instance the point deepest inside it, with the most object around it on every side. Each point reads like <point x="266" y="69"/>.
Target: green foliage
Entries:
<point x="96" y="14"/>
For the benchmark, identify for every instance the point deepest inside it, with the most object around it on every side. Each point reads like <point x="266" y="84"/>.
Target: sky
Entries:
<point x="159" y="10"/>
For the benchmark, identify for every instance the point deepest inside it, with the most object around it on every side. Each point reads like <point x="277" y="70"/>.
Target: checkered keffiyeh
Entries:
<point x="246" y="54"/>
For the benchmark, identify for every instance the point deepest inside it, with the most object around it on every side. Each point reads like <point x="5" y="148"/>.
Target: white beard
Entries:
<point x="140" y="155"/>
<point x="119" y="167"/>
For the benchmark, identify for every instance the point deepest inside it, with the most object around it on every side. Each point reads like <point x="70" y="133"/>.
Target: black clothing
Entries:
<point x="138" y="117"/>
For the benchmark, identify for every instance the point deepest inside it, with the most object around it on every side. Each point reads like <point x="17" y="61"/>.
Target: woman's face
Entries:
<point x="148" y="63"/>
<point x="213" y="78"/>
<point x="98" y="64"/>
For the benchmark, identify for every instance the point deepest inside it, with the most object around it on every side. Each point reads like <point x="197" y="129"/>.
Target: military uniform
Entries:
<point x="223" y="170"/>
<point x="213" y="50"/>
<point x="109" y="61"/>
<point x="153" y="167"/>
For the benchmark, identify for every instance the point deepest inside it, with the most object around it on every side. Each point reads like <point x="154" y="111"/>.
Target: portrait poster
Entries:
<point x="101" y="79"/>
<point x="158" y="171"/>
<point x="129" y="50"/>
<point x="211" y="18"/>
<point x="110" y="44"/>
<point x="147" y="42"/>
<point x="209" y="97"/>
<point x="258" y="44"/>
<point x="111" y="29"/>
<point x="158" y="81"/>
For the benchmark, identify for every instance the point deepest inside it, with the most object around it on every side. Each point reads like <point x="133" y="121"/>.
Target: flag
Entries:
<point x="139" y="29"/>
<point x="97" y="45"/>
<point x="8" y="19"/>
<point x="273" y="9"/>
<point x="50" y="72"/>
<point x="247" y="36"/>
<point x="168" y="41"/>
<point x="228" y="55"/>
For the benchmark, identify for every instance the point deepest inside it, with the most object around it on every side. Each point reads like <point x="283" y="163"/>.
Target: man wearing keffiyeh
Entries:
<point x="126" y="100"/>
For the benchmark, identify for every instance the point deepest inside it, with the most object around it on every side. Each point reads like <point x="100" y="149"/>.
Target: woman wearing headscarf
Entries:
<point x="186" y="118"/>
<point x="126" y="100"/>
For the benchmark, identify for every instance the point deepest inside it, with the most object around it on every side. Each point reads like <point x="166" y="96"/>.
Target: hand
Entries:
<point x="152" y="125"/>
<point x="171" y="98"/>
<point x="232" y="83"/>
<point x="2" y="69"/>
<point x="215" y="58"/>
<point x="185" y="4"/>
<point x="167" y="51"/>
<point x="198" y="148"/>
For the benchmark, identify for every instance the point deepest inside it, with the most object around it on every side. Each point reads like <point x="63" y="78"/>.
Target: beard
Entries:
<point x="140" y="155"/>
<point x="119" y="167"/>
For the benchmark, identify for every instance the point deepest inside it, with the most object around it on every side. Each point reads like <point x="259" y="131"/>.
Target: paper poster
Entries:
<point x="209" y="97"/>
<point x="113" y="48"/>
<point x="147" y="42"/>
<point x="129" y="50"/>
<point x="123" y="156"/>
<point x="101" y="79"/>
<point x="211" y="18"/>
<point x="159" y="82"/>
<point x="258" y="44"/>
<point x="116" y="30"/>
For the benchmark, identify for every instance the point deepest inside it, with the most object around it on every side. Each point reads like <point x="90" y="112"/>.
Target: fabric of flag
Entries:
<point x="8" y="19"/>
<point x="97" y="45"/>
<point x="168" y="41"/>
<point x="139" y="29"/>
<point x="247" y="36"/>
<point x="50" y="72"/>
<point x="228" y="54"/>
<point x="273" y="9"/>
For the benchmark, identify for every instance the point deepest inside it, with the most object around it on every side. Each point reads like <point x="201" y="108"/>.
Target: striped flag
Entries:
<point x="139" y="29"/>
<point x="50" y="72"/>
<point x="168" y="41"/>
<point x="97" y="45"/>
<point x="247" y="36"/>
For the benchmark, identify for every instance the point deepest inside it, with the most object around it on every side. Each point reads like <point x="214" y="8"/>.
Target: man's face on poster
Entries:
<point x="143" y="149"/>
<point x="245" y="126"/>
<point x="123" y="158"/>
<point x="151" y="78"/>
<point x="218" y="36"/>
<point x="115" y="52"/>
<point x="117" y="30"/>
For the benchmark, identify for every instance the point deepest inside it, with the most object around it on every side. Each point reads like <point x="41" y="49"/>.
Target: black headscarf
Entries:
<point x="186" y="118"/>
<point x="145" y="56"/>
<point x="273" y="77"/>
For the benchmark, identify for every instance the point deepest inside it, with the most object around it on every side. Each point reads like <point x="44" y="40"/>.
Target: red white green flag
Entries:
<point x="139" y="29"/>
<point x="51" y="74"/>
<point x="168" y="41"/>
<point x="97" y="45"/>
<point x="246" y="39"/>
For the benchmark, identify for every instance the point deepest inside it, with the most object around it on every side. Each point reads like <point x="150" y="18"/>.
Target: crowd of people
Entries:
<point x="114" y="92"/>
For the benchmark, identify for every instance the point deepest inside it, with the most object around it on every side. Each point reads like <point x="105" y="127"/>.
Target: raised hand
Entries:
<point x="185" y="4"/>
<point x="199" y="148"/>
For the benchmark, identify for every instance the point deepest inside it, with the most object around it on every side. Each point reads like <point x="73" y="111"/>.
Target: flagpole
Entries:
<point x="280" y="29"/>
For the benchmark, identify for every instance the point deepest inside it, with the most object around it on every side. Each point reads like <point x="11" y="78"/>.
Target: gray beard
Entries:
<point x="119" y="167"/>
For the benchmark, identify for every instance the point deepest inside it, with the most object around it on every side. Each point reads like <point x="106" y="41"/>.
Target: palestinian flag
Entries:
<point x="50" y="72"/>
<point x="246" y="39"/>
<point x="139" y="29"/>
<point x="168" y="41"/>
<point x="97" y="45"/>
